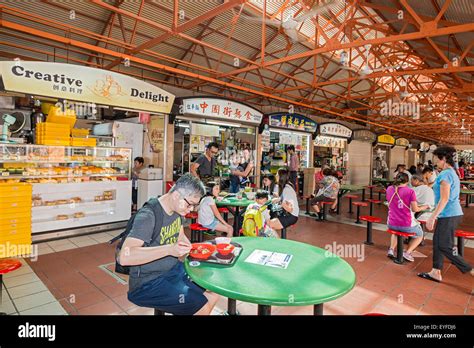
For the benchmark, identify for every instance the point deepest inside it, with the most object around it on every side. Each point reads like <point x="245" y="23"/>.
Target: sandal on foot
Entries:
<point x="427" y="276"/>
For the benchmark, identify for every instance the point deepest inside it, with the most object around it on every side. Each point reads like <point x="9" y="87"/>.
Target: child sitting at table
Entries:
<point x="261" y="198"/>
<point x="208" y="214"/>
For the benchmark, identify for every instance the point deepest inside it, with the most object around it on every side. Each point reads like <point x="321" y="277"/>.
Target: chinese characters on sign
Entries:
<point x="293" y="121"/>
<point x="222" y="109"/>
<point x="323" y="141"/>
<point x="335" y="129"/>
<point x="364" y="135"/>
<point x="386" y="139"/>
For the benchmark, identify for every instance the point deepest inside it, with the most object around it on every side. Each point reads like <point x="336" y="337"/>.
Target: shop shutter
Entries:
<point x="360" y="157"/>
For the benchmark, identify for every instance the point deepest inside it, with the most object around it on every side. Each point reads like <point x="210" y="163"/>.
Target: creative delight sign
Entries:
<point x="386" y="139"/>
<point x="335" y="129"/>
<point x="220" y="108"/>
<point x="75" y="82"/>
<point x="292" y="121"/>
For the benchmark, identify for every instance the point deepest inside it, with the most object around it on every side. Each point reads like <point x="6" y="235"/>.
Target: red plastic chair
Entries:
<point x="370" y="220"/>
<point x="400" y="235"/>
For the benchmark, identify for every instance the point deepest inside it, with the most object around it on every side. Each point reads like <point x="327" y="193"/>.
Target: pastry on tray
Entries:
<point x="62" y="217"/>
<point x="79" y="215"/>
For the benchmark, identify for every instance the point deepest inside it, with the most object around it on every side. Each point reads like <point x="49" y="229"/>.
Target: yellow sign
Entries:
<point x="402" y="142"/>
<point x="386" y="139"/>
<point x="80" y="83"/>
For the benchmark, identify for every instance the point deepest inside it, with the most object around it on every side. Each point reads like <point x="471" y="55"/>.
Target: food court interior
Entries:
<point x="106" y="105"/>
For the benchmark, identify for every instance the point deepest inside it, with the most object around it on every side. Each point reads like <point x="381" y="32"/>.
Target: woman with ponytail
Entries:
<point x="401" y="208"/>
<point x="449" y="213"/>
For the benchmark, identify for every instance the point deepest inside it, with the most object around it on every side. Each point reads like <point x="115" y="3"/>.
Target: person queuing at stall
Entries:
<point x="401" y="208"/>
<point x="239" y="171"/>
<point x="429" y="176"/>
<point x="448" y="215"/>
<point x="293" y="165"/>
<point x="208" y="214"/>
<point x="270" y="185"/>
<point x="267" y="161"/>
<point x="138" y="163"/>
<point x="203" y="167"/>
<point x="424" y="195"/>
<point x="328" y="190"/>
<point x="288" y="201"/>
<point x="152" y="248"/>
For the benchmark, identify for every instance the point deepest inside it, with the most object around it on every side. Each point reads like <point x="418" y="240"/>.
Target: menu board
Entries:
<point x="265" y="141"/>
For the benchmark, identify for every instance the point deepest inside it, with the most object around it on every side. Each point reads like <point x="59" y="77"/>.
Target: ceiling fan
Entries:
<point x="366" y="69"/>
<point x="289" y="24"/>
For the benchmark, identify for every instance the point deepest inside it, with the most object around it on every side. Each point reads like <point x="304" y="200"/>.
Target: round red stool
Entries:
<point x="370" y="220"/>
<point x="371" y="188"/>
<point x="193" y="216"/>
<point x="358" y="205"/>
<point x="7" y="266"/>
<point x="197" y="232"/>
<point x="225" y="211"/>
<point x="372" y="202"/>
<point x="400" y="235"/>
<point x="380" y="192"/>
<point x="460" y="234"/>
<point x="324" y="212"/>
<point x="351" y="197"/>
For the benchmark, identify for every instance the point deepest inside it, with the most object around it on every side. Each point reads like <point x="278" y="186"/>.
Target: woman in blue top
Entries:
<point x="449" y="213"/>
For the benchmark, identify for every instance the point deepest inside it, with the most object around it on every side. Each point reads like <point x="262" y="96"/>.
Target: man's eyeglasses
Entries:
<point x="193" y="206"/>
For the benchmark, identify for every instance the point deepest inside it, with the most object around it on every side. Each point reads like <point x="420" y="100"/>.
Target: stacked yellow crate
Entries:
<point x="15" y="219"/>
<point x="83" y="141"/>
<point x="48" y="133"/>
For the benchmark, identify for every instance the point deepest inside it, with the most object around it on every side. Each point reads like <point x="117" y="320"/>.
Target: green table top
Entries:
<point x="469" y="182"/>
<point x="382" y="179"/>
<point x="352" y="187"/>
<point x="234" y="202"/>
<point x="312" y="277"/>
<point x="469" y="192"/>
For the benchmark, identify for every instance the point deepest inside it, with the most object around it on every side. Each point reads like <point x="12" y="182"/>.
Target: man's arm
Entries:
<point x="133" y="253"/>
<point x="193" y="169"/>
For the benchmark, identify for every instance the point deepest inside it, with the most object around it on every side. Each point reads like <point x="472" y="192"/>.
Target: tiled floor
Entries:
<point x="67" y="277"/>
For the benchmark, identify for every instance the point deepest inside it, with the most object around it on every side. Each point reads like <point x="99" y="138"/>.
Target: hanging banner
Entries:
<point x="292" y="121"/>
<point x="386" y="139"/>
<point x="220" y="108"/>
<point x="402" y="142"/>
<point x="80" y="83"/>
<point x="335" y="129"/>
<point x="364" y="135"/>
<point x="324" y="141"/>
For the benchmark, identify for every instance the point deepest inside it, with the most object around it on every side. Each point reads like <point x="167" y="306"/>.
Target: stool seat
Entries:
<point x="191" y="215"/>
<point x="375" y="201"/>
<point x="465" y="234"/>
<point x="351" y="196"/>
<point x="371" y="186"/>
<point x="360" y="204"/>
<point x="373" y="219"/>
<point x="223" y="210"/>
<point x="381" y="190"/>
<point x="400" y="233"/>
<point x="326" y="203"/>
<point x="9" y="265"/>
<point x="198" y="227"/>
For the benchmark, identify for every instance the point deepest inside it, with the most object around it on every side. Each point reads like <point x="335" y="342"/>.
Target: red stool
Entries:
<point x="7" y="266"/>
<point x="372" y="201"/>
<point x="351" y="197"/>
<point x="371" y="188"/>
<point x="193" y="216"/>
<point x="225" y="211"/>
<point x="380" y="192"/>
<point x="460" y="234"/>
<point x="358" y="205"/>
<point x="324" y="213"/>
<point x="370" y="220"/>
<point x="197" y="232"/>
<point x="400" y="235"/>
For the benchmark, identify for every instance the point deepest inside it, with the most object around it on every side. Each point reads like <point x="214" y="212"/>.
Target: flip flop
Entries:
<point x="427" y="276"/>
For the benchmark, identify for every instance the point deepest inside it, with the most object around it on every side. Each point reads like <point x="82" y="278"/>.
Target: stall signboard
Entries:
<point x="386" y="139"/>
<point x="292" y="121"/>
<point x="364" y="135"/>
<point x="402" y="142"/>
<point x="424" y="147"/>
<point x="335" y="129"/>
<point x="84" y="84"/>
<point x="222" y="109"/>
<point x="266" y="140"/>
<point x="324" y="141"/>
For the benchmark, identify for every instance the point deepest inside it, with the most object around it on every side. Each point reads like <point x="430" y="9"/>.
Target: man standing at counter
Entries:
<point x="204" y="166"/>
<point x="293" y="164"/>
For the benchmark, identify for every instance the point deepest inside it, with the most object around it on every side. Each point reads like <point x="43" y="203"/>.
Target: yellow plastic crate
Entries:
<point x="80" y="132"/>
<point x="7" y="189"/>
<point x="83" y="141"/>
<point x="20" y="218"/>
<point x="14" y="227"/>
<point x="18" y="204"/>
<point x="55" y="115"/>
<point x="53" y="126"/>
<point x="12" y="211"/>
<point x="52" y="142"/>
<point x="15" y="234"/>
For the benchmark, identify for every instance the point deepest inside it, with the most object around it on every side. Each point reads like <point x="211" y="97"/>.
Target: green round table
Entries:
<point x="234" y="205"/>
<point x="313" y="276"/>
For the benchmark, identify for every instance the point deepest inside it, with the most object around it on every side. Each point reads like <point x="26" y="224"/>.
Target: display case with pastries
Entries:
<point x="66" y="182"/>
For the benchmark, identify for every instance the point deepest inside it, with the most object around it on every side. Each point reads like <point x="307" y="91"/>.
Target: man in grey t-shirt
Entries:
<point x="156" y="240"/>
<point x="205" y="164"/>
